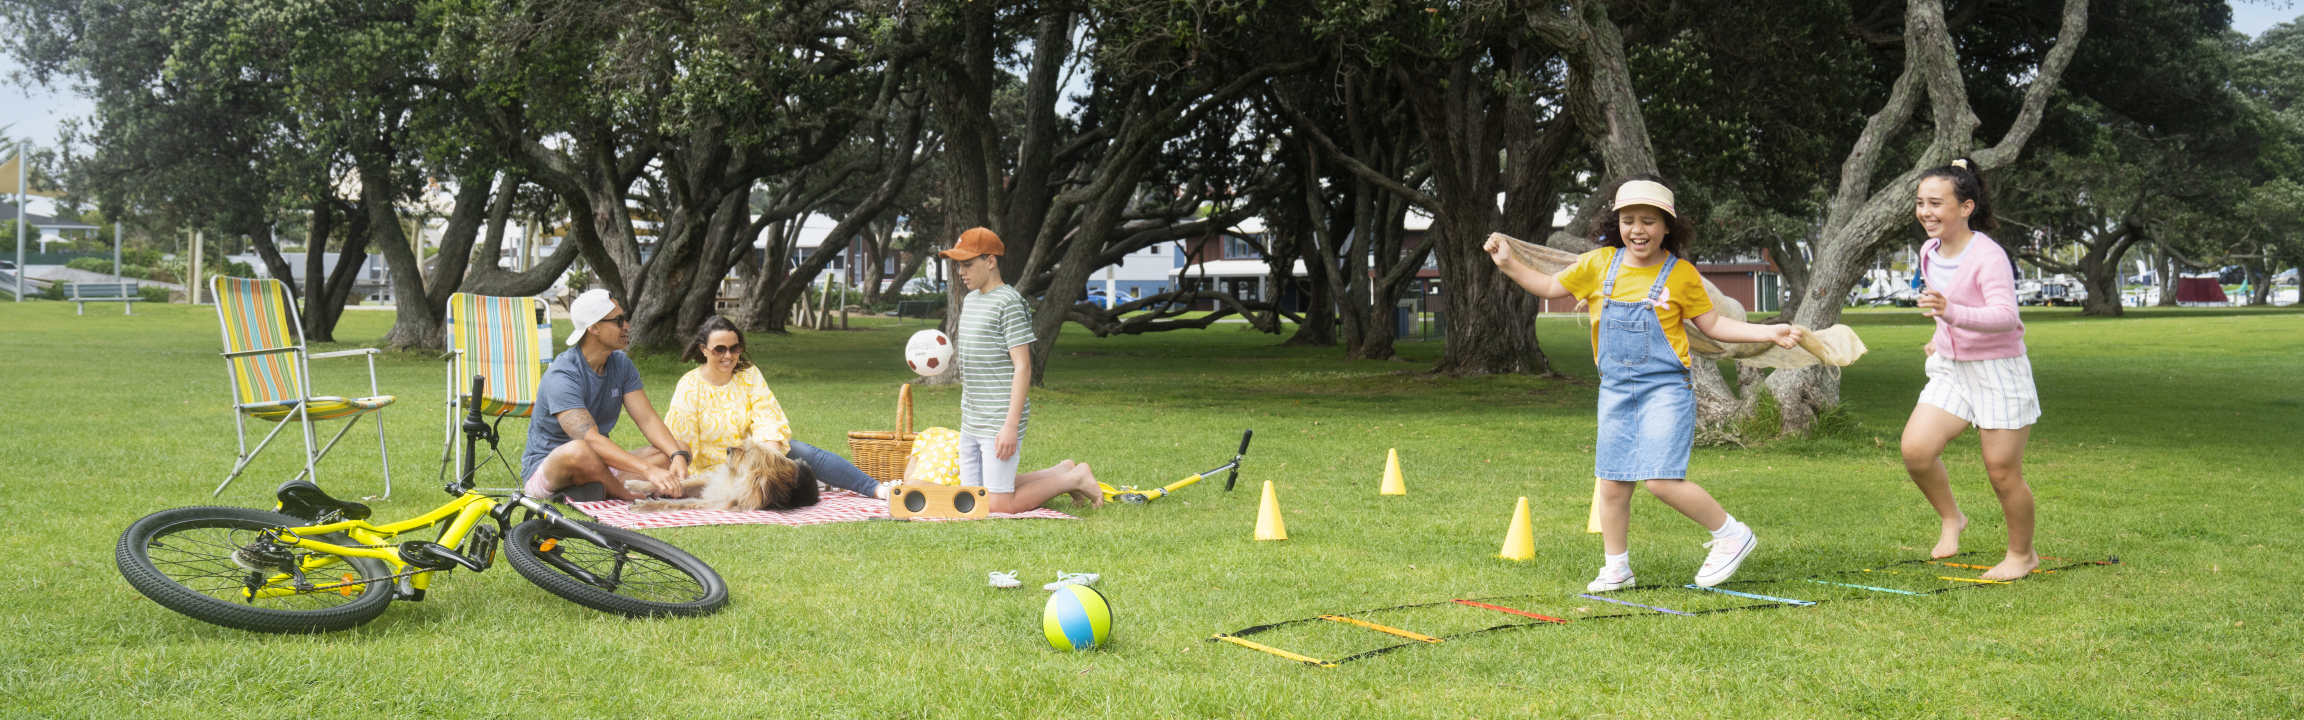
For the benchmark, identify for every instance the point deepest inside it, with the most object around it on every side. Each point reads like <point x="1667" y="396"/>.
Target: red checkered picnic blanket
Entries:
<point x="836" y="506"/>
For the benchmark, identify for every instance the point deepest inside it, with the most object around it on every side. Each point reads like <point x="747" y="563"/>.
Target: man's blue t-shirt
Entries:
<point x="569" y="383"/>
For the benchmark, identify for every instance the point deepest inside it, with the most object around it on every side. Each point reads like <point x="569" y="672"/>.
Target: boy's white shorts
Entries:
<point x="981" y="466"/>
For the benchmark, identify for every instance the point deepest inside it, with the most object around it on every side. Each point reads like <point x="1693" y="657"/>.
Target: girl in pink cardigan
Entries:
<point x="1977" y="372"/>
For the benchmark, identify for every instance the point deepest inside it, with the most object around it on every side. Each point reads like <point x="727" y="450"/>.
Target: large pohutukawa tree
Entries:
<point x="1483" y="95"/>
<point x="639" y="115"/>
<point x="193" y="126"/>
<point x="1864" y="212"/>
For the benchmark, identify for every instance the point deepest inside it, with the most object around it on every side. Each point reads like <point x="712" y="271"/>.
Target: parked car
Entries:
<point x="2055" y="292"/>
<point x="1097" y="296"/>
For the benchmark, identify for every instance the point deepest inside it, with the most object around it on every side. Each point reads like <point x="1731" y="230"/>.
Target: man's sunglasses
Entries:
<point x="620" y="320"/>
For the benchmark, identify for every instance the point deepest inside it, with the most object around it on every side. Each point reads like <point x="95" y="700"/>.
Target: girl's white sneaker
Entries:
<point x="1065" y="578"/>
<point x="1612" y="577"/>
<point x="1005" y="579"/>
<point x="1727" y="553"/>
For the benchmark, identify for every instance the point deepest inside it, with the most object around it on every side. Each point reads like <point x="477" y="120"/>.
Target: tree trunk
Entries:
<point x="267" y="249"/>
<point x="1490" y="319"/>
<point x="422" y="304"/>
<point x="1319" y="326"/>
<point x="724" y="243"/>
<point x="2167" y="272"/>
<point x="2101" y="276"/>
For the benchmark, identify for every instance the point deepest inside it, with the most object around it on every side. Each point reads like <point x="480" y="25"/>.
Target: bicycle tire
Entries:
<point x="197" y="545"/>
<point x="676" y="584"/>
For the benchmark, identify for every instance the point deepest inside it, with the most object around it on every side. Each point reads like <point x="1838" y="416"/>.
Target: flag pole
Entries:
<point x="20" y="221"/>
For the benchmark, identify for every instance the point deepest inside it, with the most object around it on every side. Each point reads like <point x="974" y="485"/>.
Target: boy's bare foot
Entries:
<point x="1088" y="487"/>
<point x="1948" y="544"/>
<point x="2013" y="567"/>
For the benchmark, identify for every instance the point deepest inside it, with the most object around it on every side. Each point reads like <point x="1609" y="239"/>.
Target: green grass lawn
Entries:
<point x="2169" y="440"/>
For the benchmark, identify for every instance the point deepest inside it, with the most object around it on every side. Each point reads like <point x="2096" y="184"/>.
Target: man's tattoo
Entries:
<point x="576" y="422"/>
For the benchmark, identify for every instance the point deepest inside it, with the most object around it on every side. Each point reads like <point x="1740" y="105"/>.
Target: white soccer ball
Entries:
<point x="929" y="353"/>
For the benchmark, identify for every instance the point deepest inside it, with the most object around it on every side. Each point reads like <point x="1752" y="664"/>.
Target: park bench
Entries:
<point x="124" y="292"/>
<point x="915" y="308"/>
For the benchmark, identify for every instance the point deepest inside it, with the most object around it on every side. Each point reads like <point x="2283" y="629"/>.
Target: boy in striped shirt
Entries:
<point x="994" y="342"/>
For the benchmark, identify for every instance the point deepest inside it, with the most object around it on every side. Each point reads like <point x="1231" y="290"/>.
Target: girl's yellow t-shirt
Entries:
<point x="711" y="419"/>
<point x="1684" y="290"/>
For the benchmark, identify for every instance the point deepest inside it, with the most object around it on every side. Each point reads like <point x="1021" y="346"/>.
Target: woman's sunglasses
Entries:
<point x="725" y="349"/>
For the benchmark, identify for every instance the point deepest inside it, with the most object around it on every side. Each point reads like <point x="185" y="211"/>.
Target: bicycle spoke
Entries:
<point x="200" y="559"/>
<point x="644" y="577"/>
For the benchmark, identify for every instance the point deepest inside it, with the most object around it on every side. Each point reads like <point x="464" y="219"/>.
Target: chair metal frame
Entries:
<point x="302" y="369"/>
<point x="460" y="373"/>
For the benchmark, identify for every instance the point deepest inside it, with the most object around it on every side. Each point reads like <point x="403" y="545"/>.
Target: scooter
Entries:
<point x="1129" y="493"/>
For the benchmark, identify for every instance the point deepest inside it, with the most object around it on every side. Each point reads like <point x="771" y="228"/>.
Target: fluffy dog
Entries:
<point x="756" y="477"/>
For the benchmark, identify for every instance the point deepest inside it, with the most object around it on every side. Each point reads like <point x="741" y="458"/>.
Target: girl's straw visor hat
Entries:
<point x="1645" y="192"/>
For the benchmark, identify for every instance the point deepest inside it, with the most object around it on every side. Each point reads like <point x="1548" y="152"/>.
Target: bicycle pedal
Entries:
<point x="434" y="556"/>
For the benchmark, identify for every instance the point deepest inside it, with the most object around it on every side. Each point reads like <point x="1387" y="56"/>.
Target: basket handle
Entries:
<point x="904" y="409"/>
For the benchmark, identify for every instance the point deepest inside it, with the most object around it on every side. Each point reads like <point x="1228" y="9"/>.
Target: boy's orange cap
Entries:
<point x="974" y="242"/>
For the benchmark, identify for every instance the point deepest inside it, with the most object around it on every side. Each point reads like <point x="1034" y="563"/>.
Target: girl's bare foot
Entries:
<point x="1948" y="544"/>
<point x="2015" y="566"/>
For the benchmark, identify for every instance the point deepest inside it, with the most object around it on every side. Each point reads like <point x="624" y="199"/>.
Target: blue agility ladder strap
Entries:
<point x="1787" y="601"/>
<point x="1276" y="651"/>
<point x="1868" y="587"/>
<point x="1637" y="605"/>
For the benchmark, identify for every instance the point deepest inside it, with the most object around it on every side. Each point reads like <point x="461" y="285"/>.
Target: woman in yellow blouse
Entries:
<point x="724" y="401"/>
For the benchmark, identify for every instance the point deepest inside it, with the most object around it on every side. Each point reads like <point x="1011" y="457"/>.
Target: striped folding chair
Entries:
<point x="271" y="375"/>
<point x="507" y="340"/>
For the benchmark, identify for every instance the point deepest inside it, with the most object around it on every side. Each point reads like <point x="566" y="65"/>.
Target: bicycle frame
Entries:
<point x="466" y="511"/>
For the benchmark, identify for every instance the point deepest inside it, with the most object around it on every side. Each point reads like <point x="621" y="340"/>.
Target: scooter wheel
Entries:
<point x="1133" y="498"/>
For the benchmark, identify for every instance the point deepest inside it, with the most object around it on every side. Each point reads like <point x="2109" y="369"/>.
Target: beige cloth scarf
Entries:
<point x="1837" y="345"/>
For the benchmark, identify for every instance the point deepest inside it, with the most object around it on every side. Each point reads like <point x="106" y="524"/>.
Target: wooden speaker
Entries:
<point x="938" y="501"/>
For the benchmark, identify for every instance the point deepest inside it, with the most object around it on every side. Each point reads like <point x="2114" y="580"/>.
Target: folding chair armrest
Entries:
<point x="346" y="353"/>
<point x="252" y="353"/>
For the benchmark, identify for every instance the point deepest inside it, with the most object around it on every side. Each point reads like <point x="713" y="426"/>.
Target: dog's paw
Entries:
<point x="641" y="488"/>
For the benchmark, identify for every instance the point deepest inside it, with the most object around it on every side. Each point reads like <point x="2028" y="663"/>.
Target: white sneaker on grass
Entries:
<point x="1612" y="577"/>
<point x="1727" y="553"/>
<point x="1005" y="579"/>
<point x="1065" y="578"/>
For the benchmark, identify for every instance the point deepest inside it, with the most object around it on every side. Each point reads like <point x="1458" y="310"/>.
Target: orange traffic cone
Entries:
<point x="1269" y="526"/>
<point x="1393" y="485"/>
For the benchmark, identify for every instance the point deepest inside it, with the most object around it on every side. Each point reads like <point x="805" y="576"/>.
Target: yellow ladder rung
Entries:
<point x="1419" y="637"/>
<point x="1979" y="567"/>
<point x="1275" y="651"/>
<point x="1969" y="580"/>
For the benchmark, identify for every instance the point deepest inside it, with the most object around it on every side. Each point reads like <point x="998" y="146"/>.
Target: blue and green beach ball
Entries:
<point x="1077" y="618"/>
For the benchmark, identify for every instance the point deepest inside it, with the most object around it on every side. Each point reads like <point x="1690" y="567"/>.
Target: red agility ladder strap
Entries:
<point x="1522" y="613"/>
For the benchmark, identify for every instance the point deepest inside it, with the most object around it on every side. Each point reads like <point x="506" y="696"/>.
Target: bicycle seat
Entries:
<point x="303" y="499"/>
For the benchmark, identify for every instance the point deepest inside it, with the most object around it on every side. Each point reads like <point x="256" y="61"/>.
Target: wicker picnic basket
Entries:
<point x="881" y="453"/>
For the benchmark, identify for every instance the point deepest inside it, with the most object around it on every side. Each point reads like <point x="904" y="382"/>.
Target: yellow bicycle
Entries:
<point x="317" y="564"/>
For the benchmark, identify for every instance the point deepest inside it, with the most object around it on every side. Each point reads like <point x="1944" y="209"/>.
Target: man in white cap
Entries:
<point x="577" y="405"/>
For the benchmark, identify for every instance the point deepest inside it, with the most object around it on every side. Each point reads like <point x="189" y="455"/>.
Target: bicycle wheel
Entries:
<point x="205" y="562"/>
<point x="650" y="578"/>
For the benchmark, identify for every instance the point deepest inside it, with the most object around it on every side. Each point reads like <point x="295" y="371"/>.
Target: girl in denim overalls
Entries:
<point x="1641" y="292"/>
